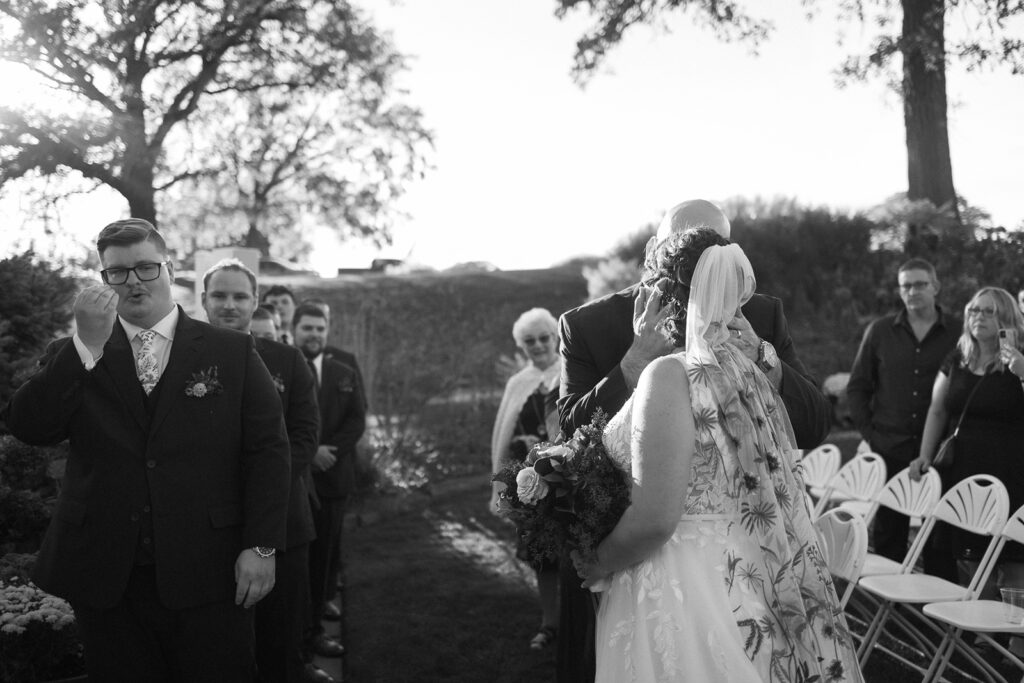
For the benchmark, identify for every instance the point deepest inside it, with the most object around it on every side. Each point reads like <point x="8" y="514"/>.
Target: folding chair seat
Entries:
<point x="819" y="466"/>
<point x="856" y="482"/>
<point x="843" y="539"/>
<point x="978" y="617"/>
<point x="978" y="504"/>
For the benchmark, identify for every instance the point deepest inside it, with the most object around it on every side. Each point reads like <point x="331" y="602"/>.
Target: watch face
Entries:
<point x="768" y="355"/>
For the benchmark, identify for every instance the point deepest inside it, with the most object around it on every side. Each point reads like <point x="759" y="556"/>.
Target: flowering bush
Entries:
<point x="565" y="496"/>
<point x="38" y="638"/>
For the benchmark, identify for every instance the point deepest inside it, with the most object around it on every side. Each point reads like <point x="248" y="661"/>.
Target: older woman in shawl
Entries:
<point x="526" y="416"/>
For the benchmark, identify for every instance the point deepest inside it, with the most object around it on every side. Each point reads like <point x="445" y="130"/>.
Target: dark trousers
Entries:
<point x="282" y="618"/>
<point x="138" y="640"/>
<point x="325" y="557"/>
<point x="891" y="530"/>
<point x="576" y="661"/>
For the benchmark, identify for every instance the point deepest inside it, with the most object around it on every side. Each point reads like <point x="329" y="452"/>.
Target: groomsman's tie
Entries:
<point x="316" y="377"/>
<point x="146" y="363"/>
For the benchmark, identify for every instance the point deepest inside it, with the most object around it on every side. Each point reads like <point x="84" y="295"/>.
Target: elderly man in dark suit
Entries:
<point x="608" y="342"/>
<point x="342" y="422"/>
<point x="229" y="299"/>
<point x="176" y="491"/>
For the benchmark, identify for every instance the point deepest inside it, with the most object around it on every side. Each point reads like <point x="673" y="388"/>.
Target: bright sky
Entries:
<point x="531" y="170"/>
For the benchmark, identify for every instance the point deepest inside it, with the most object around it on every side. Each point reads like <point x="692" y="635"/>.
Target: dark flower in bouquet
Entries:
<point x="565" y="496"/>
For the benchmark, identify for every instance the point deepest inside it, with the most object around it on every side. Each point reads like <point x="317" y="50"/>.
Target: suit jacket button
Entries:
<point x="151" y="464"/>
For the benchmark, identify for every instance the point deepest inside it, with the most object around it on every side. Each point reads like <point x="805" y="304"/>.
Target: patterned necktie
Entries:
<point x="145" y="363"/>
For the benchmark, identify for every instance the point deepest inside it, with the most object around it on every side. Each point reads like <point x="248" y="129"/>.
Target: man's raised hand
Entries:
<point x="650" y="340"/>
<point x="95" y="310"/>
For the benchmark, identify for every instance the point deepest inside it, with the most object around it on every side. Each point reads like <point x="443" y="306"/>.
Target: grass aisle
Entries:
<point x="437" y="595"/>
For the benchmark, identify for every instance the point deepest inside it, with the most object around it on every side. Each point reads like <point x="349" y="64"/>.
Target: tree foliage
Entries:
<point x="166" y="91"/>
<point x="914" y="30"/>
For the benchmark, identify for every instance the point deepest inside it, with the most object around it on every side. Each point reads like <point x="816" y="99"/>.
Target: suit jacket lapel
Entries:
<point x="119" y="364"/>
<point x="188" y="340"/>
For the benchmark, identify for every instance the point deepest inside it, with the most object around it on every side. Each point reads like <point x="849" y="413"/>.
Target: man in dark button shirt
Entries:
<point x="891" y="385"/>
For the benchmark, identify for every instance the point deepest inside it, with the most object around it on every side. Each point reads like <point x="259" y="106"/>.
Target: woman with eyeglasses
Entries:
<point x="984" y="373"/>
<point x="525" y="417"/>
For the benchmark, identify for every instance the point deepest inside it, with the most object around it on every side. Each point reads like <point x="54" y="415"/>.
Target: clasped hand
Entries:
<point x="1013" y="360"/>
<point x="325" y="458"/>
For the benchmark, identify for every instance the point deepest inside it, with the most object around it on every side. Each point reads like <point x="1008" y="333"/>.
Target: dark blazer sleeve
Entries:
<point x="585" y="385"/>
<point x="40" y="411"/>
<point x="347" y="428"/>
<point x="266" y="465"/>
<point x="302" y="415"/>
<point x="809" y="409"/>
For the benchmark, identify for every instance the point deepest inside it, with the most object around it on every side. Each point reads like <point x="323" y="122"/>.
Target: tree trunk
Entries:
<point x="929" y="168"/>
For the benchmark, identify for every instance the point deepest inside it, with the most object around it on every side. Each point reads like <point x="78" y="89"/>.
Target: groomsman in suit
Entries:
<point x="229" y="298"/>
<point x="263" y="325"/>
<point x="332" y="612"/>
<point x="342" y="422"/>
<point x="608" y="342"/>
<point x="176" y="491"/>
<point x="282" y="298"/>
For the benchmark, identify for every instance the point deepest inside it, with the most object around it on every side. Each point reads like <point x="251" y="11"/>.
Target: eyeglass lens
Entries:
<point x="911" y="286"/>
<point x="986" y="312"/>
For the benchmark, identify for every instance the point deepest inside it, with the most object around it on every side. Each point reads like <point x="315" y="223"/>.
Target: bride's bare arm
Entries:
<point x="663" y="443"/>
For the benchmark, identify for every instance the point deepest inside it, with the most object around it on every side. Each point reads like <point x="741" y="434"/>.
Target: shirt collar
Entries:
<point x="165" y="326"/>
<point x="901" y="317"/>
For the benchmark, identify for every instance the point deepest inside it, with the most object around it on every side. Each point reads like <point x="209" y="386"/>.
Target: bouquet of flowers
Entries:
<point x="568" y="495"/>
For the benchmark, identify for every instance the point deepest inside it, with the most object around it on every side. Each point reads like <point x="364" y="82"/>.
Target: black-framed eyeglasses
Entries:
<point x="144" y="271"/>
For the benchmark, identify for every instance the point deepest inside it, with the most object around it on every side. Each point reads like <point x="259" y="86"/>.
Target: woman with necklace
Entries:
<point x="983" y="381"/>
<point x="527" y="416"/>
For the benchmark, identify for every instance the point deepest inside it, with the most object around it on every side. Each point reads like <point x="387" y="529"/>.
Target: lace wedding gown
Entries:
<point x="740" y="593"/>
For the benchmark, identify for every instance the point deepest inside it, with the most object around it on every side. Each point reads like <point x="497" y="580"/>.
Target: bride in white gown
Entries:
<point x="714" y="571"/>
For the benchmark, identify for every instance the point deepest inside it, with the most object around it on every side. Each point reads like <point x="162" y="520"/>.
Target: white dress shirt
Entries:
<point x="161" y="344"/>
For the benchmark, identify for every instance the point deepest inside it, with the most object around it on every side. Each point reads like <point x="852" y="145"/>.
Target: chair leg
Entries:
<point x="872" y="634"/>
<point x="941" y="658"/>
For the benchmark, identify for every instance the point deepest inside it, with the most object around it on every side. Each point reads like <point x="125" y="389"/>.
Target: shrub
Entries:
<point x="35" y="304"/>
<point x="38" y="637"/>
<point x="23" y="466"/>
<point x="26" y="515"/>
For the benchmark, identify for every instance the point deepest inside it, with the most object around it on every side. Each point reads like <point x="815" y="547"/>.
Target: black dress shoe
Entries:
<point x="325" y="646"/>
<point x="315" y="674"/>
<point x="331" y="612"/>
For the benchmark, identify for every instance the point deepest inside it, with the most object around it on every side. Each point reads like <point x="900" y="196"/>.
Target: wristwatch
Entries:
<point x="263" y="552"/>
<point x="767" y="359"/>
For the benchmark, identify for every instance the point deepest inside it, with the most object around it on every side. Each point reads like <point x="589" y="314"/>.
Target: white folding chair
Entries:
<point x="978" y="504"/>
<point x="915" y="499"/>
<point x="818" y="466"/>
<point x="843" y="539"/>
<point x="858" y="481"/>
<point x="978" y="617"/>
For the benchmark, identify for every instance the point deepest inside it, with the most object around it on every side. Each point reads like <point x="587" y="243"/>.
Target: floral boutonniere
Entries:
<point x="204" y="383"/>
<point x="279" y="383"/>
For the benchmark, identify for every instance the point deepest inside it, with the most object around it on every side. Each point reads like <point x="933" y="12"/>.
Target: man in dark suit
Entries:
<point x="342" y="422"/>
<point x="176" y="489"/>
<point x="608" y="342"/>
<point x="229" y="299"/>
